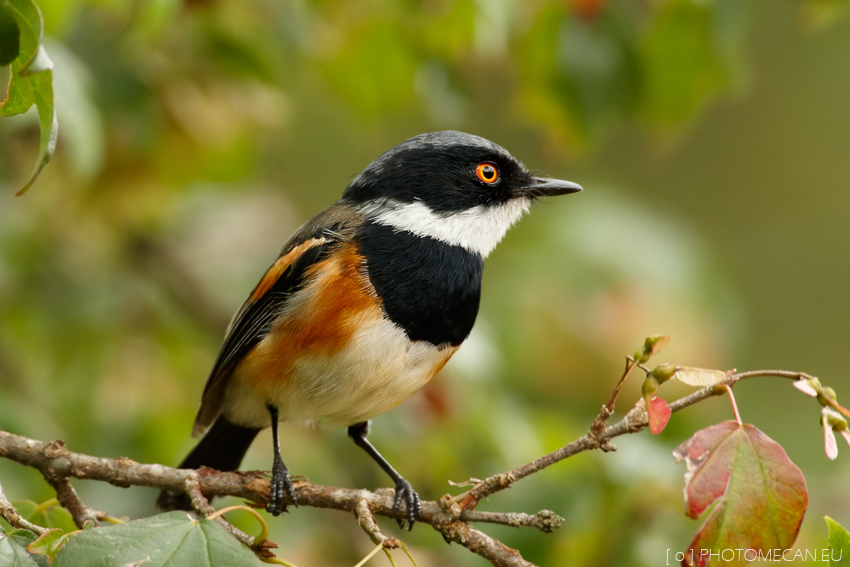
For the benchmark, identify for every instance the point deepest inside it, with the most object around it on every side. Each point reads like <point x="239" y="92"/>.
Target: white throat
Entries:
<point x="478" y="229"/>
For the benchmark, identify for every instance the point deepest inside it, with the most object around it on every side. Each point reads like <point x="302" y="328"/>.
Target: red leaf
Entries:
<point x="758" y="495"/>
<point x="658" y="413"/>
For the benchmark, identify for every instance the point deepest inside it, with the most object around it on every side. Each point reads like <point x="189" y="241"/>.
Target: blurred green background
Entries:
<point x="712" y="141"/>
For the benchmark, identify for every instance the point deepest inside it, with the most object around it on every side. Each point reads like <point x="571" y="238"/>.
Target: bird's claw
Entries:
<point x="404" y="493"/>
<point x="280" y="485"/>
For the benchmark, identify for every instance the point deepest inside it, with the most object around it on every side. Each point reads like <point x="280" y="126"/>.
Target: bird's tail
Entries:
<point x="222" y="448"/>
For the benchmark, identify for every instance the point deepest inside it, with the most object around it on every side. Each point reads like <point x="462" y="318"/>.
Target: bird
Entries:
<point x="366" y="302"/>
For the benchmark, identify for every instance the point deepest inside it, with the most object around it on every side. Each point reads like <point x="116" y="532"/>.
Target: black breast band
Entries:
<point x="429" y="288"/>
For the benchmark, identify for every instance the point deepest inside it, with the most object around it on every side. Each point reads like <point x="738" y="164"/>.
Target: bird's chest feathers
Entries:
<point x="427" y="287"/>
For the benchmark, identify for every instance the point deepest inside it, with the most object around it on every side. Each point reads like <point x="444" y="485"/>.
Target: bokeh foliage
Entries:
<point x="197" y="135"/>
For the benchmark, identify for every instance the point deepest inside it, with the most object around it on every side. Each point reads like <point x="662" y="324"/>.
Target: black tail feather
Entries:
<point x="222" y="448"/>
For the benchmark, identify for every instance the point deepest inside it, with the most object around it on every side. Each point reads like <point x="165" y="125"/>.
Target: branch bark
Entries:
<point x="451" y="516"/>
<point x="58" y="463"/>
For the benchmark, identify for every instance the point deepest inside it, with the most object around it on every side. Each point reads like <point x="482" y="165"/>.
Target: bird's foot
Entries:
<point x="280" y="485"/>
<point x="404" y="493"/>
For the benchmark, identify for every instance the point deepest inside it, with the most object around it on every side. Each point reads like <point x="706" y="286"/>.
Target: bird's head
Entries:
<point x="451" y="186"/>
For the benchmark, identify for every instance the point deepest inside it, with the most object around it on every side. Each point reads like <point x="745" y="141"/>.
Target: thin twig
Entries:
<point x="607" y="410"/>
<point x="192" y="487"/>
<point x="366" y="520"/>
<point x="482" y="544"/>
<point x="69" y="500"/>
<point x="11" y="515"/>
<point x="635" y="420"/>
<point x="546" y="521"/>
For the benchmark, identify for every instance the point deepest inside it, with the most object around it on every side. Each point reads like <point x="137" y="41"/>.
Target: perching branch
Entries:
<point x="451" y="516"/>
<point x="55" y="461"/>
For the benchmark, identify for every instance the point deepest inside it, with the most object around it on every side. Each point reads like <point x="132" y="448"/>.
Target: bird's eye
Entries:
<point x="487" y="172"/>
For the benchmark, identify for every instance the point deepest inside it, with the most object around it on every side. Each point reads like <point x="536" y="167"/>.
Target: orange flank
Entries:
<point x="336" y="301"/>
<point x="279" y="268"/>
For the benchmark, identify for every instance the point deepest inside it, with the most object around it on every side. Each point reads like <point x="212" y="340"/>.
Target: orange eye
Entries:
<point x="487" y="172"/>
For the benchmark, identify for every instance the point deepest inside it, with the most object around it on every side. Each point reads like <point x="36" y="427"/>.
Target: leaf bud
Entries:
<point x="649" y="388"/>
<point x="655" y="343"/>
<point x="825" y="395"/>
<point x="833" y="419"/>
<point x="641" y="356"/>
<point x="663" y="372"/>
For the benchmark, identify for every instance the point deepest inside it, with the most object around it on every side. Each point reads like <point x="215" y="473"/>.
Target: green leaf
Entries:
<point x="19" y="96"/>
<point x="839" y="544"/>
<point x="13" y="550"/>
<point x="173" y="540"/>
<point x="32" y="81"/>
<point x="758" y="495"/>
<point x="48" y="544"/>
<point x="48" y="123"/>
<point x="10" y="35"/>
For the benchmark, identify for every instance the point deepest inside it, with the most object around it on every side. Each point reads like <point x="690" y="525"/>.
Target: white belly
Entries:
<point x="378" y="369"/>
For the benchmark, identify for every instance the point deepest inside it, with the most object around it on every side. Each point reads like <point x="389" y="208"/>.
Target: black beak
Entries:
<point x="545" y="187"/>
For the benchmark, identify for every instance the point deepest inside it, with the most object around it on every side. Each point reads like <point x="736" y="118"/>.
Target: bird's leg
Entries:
<point x="280" y="481"/>
<point x="403" y="490"/>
